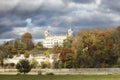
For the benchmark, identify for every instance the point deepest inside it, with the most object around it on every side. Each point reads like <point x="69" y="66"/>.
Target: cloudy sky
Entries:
<point x="35" y="16"/>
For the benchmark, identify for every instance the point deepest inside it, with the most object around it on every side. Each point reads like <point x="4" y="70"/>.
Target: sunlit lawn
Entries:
<point x="60" y="77"/>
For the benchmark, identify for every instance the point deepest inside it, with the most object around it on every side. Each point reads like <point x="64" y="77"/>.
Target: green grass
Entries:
<point x="60" y="77"/>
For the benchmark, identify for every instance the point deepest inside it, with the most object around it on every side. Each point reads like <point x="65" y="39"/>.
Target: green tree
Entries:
<point x="39" y="45"/>
<point x="21" y="48"/>
<point x="3" y="55"/>
<point x="23" y="66"/>
<point x="68" y="42"/>
<point x="69" y="61"/>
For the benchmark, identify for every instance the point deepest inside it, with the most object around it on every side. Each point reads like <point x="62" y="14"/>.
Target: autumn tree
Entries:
<point x="10" y="50"/>
<point x="94" y="48"/>
<point x="21" y="48"/>
<point x="26" y="54"/>
<point x="27" y="40"/>
<point x="56" y="49"/>
<point x="63" y="56"/>
<point x="116" y="37"/>
<point x="64" y="53"/>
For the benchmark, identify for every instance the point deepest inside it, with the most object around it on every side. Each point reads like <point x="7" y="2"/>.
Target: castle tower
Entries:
<point x="46" y="33"/>
<point x="70" y="32"/>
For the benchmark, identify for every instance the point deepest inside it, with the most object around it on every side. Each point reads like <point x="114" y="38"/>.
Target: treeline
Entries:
<point x="89" y="49"/>
<point x="24" y="45"/>
<point x="93" y="49"/>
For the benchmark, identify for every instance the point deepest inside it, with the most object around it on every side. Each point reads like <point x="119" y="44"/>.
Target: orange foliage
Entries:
<point x="64" y="52"/>
<point x="118" y="28"/>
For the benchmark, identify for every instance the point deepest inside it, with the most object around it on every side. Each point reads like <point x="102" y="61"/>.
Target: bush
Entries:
<point x="49" y="73"/>
<point x="34" y="63"/>
<point x="45" y="65"/>
<point x="39" y="72"/>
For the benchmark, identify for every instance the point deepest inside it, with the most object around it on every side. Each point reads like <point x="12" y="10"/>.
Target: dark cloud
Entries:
<point x="58" y="16"/>
<point x="113" y="6"/>
<point x="4" y="29"/>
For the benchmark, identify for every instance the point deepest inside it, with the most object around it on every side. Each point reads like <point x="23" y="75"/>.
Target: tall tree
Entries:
<point x="27" y="40"/>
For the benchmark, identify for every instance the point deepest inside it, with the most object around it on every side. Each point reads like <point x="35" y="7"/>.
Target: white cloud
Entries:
<point x="76" y="6"/>
<point x="6" y="5"/>
<point x="20" y="30"/>
<point x="29" y="5"/>
<point x="98" y="2"/>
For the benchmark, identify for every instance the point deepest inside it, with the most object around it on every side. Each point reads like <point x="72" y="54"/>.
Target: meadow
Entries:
<point x="59" y="77"/>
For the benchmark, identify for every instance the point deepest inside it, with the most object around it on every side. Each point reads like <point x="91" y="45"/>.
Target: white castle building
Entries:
<point x="52" y="40"/>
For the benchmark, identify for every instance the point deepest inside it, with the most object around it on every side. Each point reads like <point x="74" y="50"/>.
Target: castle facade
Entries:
<point x="52" y="40"/>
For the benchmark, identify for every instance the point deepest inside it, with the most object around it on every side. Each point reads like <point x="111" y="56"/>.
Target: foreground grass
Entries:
<point x="60" y="77"/>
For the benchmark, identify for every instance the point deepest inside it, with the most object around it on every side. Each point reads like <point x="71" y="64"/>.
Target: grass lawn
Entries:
<point x="60" y="77"/>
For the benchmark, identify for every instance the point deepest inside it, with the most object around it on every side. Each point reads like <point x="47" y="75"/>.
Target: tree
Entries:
<point x="21" y="48"/>
<point x="3" y="55"/>
<point x="69" y="61"/>
<point x="11" y="50"/>
<point x="67" y="42"/>
<point x="56" y="49"/>
<point x="64" y="53"/>
<point x="23" y="66"/>
<point x="116" y="38"/>
<point x="64" y="57"/>
<point x="39" y="45"/>
<point x="26" y="54"/>
<point x="95" y="48"/>
<point x="27" y="40"/>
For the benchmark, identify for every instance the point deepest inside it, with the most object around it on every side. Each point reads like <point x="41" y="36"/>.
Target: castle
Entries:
<point x="52" y="40"/>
